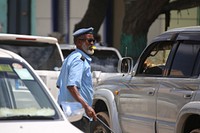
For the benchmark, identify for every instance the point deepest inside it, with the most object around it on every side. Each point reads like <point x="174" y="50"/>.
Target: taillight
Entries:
<point x="29" y="39"/>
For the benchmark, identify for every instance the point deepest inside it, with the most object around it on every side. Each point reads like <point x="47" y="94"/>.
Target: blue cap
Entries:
<point x="83" y="31"/>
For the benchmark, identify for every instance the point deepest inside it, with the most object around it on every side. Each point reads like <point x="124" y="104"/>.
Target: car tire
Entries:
<point x="97" y="126"/>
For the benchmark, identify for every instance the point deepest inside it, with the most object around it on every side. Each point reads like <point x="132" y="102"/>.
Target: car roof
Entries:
<point x="67" y="46"/>
<point x="183" y="33"/>
<point x="181" y="29"/>
<point x="29" y="38"/>
<point x="72" y="46"/>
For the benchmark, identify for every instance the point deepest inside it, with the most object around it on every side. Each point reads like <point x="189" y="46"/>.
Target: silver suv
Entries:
<point x="160" y="94"/>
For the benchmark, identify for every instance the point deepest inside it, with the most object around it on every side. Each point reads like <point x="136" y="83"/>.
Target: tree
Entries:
<point x="136" y="24"/>
<point x="94" y="15"/>
<point x="139" y="15"/>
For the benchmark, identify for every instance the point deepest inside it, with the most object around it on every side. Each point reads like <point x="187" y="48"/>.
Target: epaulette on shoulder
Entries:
<point x="82" y="58"/>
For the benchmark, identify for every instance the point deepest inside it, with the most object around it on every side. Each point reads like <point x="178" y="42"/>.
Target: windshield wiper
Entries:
<point x="27" y="117"/>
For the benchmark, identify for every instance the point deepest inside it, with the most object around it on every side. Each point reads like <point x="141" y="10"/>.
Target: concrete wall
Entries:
<point x="44" y="16"/>
<point x="184" y="18"/>
<point x="3" y="16"/>
<point x="178" y="19"/>
<point x="77" y="11"/>
<point x="43" y="22"/>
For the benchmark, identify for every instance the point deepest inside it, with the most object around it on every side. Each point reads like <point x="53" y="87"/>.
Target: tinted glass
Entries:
<point x="21" y="96"/>
<point x="66" y="52"/>
<point x="105" y="61"/>
<point x="102" y="60"/>
<point x="185" y="59"/>
<point x="41" y="56"/>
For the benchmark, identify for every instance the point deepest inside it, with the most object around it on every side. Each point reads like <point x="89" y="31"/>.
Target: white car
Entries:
<point x="26" y="105"/>
<point x="104" y="61"/>
<point x="42" y="53"/>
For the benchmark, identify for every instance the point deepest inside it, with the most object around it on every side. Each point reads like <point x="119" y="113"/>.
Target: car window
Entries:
<point x="41" y="56"/>
<point x="154" y="61"/>
<point x="197" y="66"/>
<point x="184" y="67"/>
<point x="105" y="61"/>
<point x="66" y="52"/>
<point x="20" y="93"/>
<point x="102" y="60"/>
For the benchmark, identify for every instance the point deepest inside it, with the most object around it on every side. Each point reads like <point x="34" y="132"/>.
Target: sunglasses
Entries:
<point x="88" y="39"/>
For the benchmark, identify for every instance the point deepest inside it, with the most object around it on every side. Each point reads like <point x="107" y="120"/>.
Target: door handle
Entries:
<point x="187" y="96"/>
<point x="151" y="91"/>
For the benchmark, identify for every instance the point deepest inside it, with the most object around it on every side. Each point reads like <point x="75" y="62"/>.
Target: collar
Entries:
<point x="87" y="57"/>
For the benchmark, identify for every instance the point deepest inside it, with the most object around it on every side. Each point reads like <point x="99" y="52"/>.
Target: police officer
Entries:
<point x="75" y="79"/>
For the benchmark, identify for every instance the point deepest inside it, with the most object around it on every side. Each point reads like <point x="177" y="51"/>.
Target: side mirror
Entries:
<point x="57" y="68"/>
<point x="125" y="65"/>
<point x="73" y="110"/>
<point x="96" y="77"/>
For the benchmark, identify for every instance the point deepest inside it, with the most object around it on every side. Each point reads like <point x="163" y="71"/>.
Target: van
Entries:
<point x="26" y="105"/>
<point x="42" y="53"/>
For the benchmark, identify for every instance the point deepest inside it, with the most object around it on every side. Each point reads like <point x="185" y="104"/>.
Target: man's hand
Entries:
<point x="90" y="112"/>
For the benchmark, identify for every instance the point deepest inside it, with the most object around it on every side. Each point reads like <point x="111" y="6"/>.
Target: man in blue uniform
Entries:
<point x="75" y="79"/>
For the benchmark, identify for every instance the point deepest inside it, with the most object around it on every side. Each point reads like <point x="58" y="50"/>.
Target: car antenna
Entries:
<point x="125" y="51"/>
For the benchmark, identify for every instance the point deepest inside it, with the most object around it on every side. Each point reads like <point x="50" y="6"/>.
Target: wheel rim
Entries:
<point x="100" y="128"/>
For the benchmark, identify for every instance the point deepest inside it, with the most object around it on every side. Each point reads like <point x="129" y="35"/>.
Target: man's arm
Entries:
<point x="89" y="110"/>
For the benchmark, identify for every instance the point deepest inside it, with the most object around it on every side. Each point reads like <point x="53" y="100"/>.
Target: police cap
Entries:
<point x="83" y="31"/>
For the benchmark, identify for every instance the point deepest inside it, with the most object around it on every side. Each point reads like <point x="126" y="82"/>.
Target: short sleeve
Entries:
<point x="75" y="73"/>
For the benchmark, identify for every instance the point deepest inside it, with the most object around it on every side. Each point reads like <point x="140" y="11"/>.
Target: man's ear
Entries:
<point x="78" y="43"/>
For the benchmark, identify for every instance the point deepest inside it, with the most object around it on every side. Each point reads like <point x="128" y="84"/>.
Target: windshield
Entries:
<point x="21" y="97"/>
<point x="41" y="56"/>
<point x="102" y="60"/>
<point x="105" y="61"/>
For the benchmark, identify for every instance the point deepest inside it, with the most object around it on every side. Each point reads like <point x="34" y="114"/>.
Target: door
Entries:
<point x="137" y="102"/>
<point x="137" y="105"/>
<point x="179" y="85"/>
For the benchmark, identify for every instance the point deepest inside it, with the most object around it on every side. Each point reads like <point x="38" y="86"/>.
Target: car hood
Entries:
<point x="37" y="127"/>
<point x="113" y="82"/>
<point x="100" y="77"/>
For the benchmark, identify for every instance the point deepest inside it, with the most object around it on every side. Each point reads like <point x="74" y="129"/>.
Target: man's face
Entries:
<point x="87" y="42"/>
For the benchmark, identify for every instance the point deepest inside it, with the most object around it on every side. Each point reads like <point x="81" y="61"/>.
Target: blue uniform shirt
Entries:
<point x="76" y="71"/>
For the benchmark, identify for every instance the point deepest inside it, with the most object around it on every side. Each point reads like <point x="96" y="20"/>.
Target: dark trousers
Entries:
<point x="83" y="124"/>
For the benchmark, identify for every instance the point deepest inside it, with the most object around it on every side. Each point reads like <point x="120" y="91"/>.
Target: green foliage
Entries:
<point x="132" y="46"/>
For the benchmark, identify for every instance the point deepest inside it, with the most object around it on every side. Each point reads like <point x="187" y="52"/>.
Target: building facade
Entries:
<point x="50" y="17"/>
